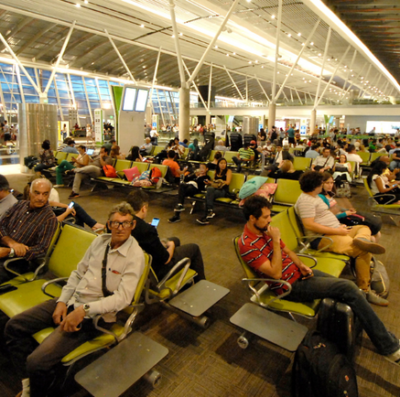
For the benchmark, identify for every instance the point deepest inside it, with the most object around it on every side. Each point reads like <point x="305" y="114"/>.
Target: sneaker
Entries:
<point x="210" y="214"/>
<point x="369" y="246"/>
<point x="203" y="221"/>
<point x="375" y="299"/>
<point x="394" y="357"/>
<point x="57" y="186"/>
<point x="174" y="219"/>
<point x="179" y="208"/>
<point x="73" y="195"/>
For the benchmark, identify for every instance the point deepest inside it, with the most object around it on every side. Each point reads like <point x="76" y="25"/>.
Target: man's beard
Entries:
<point x="262" y="230"/>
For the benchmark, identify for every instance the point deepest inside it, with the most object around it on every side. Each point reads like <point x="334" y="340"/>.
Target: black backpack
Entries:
<point x="319" y="370"/>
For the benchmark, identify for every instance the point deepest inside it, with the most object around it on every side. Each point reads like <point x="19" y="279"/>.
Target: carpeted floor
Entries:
<point x="209" y="362"/>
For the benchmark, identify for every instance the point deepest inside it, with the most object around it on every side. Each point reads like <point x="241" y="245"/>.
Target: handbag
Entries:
<point x="218" y="184"/>
<point x="109" y="171"/>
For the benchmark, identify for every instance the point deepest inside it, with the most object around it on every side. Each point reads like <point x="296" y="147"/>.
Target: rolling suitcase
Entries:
<point x="338" y="323"/>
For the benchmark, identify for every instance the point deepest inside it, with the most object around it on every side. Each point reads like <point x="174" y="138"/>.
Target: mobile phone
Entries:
<point x="155" y="222"/>
<point x="11" y="190"/>
<point x="71" y="204"/>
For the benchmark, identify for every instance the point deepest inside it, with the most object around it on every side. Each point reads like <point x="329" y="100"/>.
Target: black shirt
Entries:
<point x="147" y="237"/>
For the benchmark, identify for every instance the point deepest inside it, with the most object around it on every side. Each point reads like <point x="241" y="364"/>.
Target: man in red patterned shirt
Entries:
<point x="261" y="247"/>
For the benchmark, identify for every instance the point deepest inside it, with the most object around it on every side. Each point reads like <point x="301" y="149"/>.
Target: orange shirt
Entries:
<point x="173" y="166"/>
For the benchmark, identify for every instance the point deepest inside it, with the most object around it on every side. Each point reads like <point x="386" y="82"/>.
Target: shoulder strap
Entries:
<point x="106" y="292"/>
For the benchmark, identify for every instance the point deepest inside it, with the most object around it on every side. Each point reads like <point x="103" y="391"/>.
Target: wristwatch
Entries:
<point x="86" y="308"/>
<point x="12" y="253"/>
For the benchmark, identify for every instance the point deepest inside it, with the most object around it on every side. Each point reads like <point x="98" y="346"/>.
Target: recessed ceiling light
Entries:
<point x="299" y="34"/>
<point x="234" y="53"/>
<point x="173" y="36"/>
<point x="227" y="55"/>
<point x="319" y="55"/>
<point x="256" y="61"/>
<point x="77" y="5"/>
<point x="181" y="34"/>
<point x="289" y="35"/>
<point x="86" y="2"/>
<point x="273" y="16"/>
<point x="250" y="62"/>
<point x="142" y="26"/>
<point x="216" y="46"/>
<point x="312" y="43"/>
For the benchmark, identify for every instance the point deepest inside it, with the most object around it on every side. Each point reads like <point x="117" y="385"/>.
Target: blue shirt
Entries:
<point x="70" y="149"/>
<point x="311" y="154"/>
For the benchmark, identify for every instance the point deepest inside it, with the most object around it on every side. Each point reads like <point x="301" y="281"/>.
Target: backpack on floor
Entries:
<point x="344" y="190"/>
<point x="319" y="370"/>
<point x="380" y="281"/>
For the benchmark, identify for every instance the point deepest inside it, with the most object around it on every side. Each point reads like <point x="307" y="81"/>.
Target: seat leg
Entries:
<point x="192" y="210"/>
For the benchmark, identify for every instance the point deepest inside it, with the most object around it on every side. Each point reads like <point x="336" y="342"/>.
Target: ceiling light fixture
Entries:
<point x="299" y="34"/>
<point x="77" y="5"/>
<point x="142" y="26"/>
<point x="273" y="16"/>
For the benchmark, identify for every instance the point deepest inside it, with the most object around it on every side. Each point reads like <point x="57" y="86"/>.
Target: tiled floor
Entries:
<point x="209" y="362"/>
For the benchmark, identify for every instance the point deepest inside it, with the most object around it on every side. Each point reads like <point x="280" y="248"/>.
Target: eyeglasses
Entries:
<point x="116" y="225"/>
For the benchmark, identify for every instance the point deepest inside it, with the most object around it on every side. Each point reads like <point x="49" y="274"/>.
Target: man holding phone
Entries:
<point x="262" y="249"/>
<point x="166" y="253"/>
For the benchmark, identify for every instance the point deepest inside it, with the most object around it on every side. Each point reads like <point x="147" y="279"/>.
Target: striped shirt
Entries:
<point x="32" y="227"/>
<point x="246" y="154"/>
<point x="256" y="249"/>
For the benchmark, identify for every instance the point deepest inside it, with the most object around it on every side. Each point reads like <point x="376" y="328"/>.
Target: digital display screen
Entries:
<point x="141" y="100"/>
<point x="129" y="99"/>
<point x="383" y="127"/>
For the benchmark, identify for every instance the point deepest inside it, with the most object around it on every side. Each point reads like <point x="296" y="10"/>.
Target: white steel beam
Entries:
<point x="333" y="75"/>
<point x="262" y="88"/>
<point x="328" y="39"/>
<point x="58" y="101"/>
<point x="72" y="92"/>
<point x="298" y="96"/>
<point x="87" y="100"/>
<point x="184" y="84"/>
<point x="350" y="69"/>
<point x="120" y="56"/>
<point x="161" y="111"/>
<point x="209" y="89"/>
<point x="211" y="45"/>
<point x="20" y="83"/>
<point x="358" y="75"/>
<point x="154" y="78"/>
<point x="60" y="55"/>
<point x="233" y="82"/>
<point x="195" y="87"/>
<point x="19" y="64"/>
<point x="297" y="60"/>
<point x="278" y="32"/>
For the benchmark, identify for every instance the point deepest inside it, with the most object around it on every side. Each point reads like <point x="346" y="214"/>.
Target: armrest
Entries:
<point x="309" y="257"/>
<point x="392" y="196"/>
<point x="314" y="237"/>
<point x="185" y="264"/>
<point x="256" y="293"/>
<point x="55" y="280"/>
<point x="37" y="270"/>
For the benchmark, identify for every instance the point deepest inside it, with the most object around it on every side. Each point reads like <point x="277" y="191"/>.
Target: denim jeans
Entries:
<point x="323" y="285"/>
<point x="211" y="195"/>
<point x="394" y="164"/>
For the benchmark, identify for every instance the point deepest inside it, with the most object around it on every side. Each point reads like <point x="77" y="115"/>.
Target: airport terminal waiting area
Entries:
<point x="223" y="336"/>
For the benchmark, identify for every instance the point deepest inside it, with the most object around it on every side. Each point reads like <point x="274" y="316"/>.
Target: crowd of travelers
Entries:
<point x="29" y="220"/>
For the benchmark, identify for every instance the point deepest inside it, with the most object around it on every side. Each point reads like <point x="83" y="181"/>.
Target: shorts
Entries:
<point x="291" y="140"/>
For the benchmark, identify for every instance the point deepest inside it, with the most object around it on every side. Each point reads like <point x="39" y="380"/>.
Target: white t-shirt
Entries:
<point x="354" y="157"/>
<point x="374" y="186"/>
<point x="313" y="207"/>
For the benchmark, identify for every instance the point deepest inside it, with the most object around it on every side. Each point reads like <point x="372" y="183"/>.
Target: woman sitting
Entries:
<point x="213" y="164"/>
<point x="327" y="195"/>
<point x="384" y="191"/>
<point x="81" y="161"/>
<point x="135" y="155"/>
<point x="115" y="153"/>
<point x="286" y="171"/>
<point x="47" y="159"/>
<point x="222" y="178"/>
<point x="342" y="170"/>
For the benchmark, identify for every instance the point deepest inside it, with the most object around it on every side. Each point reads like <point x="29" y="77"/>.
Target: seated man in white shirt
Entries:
<point x="88" y="292"/>
<point x="7" y="199"/>
<point x="145" y="149"/>
<point x="356" y="242"/>
<point x="323" y="163"/>
<point x="353" y="156"/>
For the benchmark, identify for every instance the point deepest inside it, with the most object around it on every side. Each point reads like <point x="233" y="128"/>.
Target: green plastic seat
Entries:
<point x="229" y="155"/>
<point x="307" y="309"/>
<point x="286" y="195"/>
<point x="376" y="155"/>
<point x="298" y="229"/>
<point x="365" y="156"/>
<point x="68" y="251"/>
<point x="332" y="266"/>
<point x="212" y="154"/>
<point x="392" y="209"/>
<point x="140" y="166"/>
<point x="301" y="163"/>
<point x="235" y="185"/>
<point x="60" y="156"/>
<point x="157" y="150"/>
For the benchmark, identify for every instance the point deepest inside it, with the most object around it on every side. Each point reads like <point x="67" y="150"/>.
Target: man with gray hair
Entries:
<point x="7" y="199"/>
<point x="27" y="228"/>
<point x="89" y="292"/>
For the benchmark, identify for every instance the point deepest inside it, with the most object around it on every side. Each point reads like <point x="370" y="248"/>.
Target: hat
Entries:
<point x="252" y="142"/>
